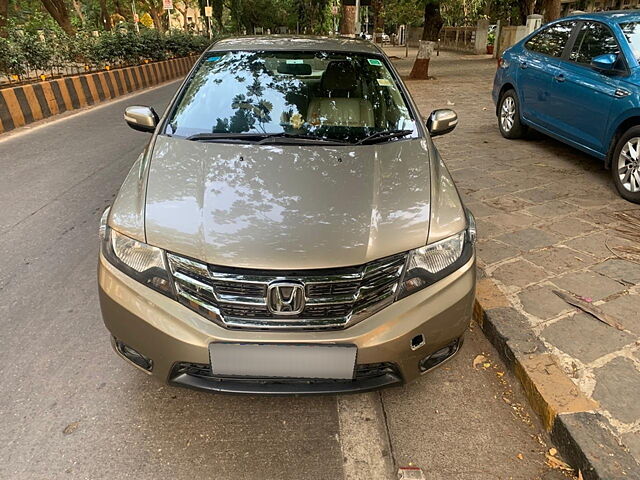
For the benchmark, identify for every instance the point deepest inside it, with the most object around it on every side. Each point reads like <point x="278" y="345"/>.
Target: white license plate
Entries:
<point x="283" y="360"/>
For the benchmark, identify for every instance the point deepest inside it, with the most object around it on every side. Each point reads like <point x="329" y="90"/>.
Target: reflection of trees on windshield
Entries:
<point x="269" y="92"/>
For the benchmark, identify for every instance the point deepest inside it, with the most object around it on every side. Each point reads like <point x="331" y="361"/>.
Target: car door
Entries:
<point x="536" y="66"/>
<point x="584" y="95"/>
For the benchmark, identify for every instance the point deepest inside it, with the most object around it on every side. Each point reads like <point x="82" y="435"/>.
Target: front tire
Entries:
<point x="509" y="116"/>
<point x="625" y="165"/>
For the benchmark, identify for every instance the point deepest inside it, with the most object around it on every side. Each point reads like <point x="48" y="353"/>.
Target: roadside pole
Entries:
<point x="136" y="19"/>
<point x="208" y="12"/>
<point x="357" y="24"/>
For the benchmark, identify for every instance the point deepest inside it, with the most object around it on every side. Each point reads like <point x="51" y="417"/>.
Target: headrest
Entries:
<point x="339" y="75"/>
<point x="294" y="68"/>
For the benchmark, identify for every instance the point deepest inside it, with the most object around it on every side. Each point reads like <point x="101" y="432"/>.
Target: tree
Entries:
<point x="551" y="10"/>
<point x="432" y="24"/>
<point x="348" y="20"/>
<point x="58" y="10"/>
<point x="432" y="20"/>
<point x="4" y="16"/>
<point x="105" y="18"/>
<point x="156" y="12"/>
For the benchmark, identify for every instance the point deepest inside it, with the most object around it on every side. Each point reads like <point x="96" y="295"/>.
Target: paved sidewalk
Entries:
<point x="549" y="219"/>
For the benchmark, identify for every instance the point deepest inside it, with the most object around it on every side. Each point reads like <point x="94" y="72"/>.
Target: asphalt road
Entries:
<point x="69" y="408"/>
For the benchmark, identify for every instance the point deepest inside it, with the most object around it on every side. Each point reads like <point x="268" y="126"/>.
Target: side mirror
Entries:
<point x="442" y="121"/>
<point x="604" y="62"/>
<point x="143" y="119"/>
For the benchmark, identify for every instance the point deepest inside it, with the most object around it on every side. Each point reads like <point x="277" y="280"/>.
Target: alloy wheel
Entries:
<point x="629" y="165"/>
<point x="507" y="113"/>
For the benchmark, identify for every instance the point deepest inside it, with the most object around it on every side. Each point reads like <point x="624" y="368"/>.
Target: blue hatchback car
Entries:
<point x="578" y="80"/>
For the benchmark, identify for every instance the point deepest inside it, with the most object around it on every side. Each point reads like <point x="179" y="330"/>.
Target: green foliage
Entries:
<point x="12" y="60"/>
<point x="24" y="51"/>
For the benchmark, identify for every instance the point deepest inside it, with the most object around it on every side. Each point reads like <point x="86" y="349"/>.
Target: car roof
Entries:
<point x="612" y="16"/>
<point x="295" y="42"/>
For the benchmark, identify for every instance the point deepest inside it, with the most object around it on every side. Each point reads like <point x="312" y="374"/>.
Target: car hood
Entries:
<point x="287" y="206"/>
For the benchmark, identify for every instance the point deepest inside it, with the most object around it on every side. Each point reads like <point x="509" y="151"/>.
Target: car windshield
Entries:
<point x="345" y="97"/>
<point x="631" y="31"/>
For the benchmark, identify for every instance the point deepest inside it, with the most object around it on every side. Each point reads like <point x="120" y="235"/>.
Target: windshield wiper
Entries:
<point x="221" y="136"/>
<point x="383" y="136"/>
<point x="263" y="138"/>
<point x="278" y="137"/>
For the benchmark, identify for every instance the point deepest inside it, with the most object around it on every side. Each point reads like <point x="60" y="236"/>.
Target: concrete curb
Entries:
<point x="580" y="433"/>
<point x="26" y="104"/>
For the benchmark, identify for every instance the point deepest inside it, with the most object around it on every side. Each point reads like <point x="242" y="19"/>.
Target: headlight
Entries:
<point x="140" y="261"/>
<point x="426" y="265"/>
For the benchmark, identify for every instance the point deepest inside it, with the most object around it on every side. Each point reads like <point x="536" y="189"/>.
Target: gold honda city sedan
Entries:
<point x="290" y="227"/>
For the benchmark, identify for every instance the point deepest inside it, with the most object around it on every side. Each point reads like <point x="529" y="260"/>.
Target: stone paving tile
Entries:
<point x="571" y="227"/>
<point x="585" y="338"/>
<point x="588" y="284"/>
<point x="632" y="442"/>
<point x="519" y="273"/>
<point x="514" y="220"/>
<point x="621" y="270"/>
<point x="481" y="209"/>
<point x="542" y="302"/>
<point x="602" y="216"/>
<point x="487" y="193"/>
<point x="554" y="208"/>
<point x="560" y="259"/>
<point x="508" y="203"/>
<point x="541" y="194"/>
<point x="488" y="229"/>
<point x="598" y="244"/>
<point x="626" y="309"/>
<point x="529" y="238"/>
<point x="490" y="251"/>
<point x="617" y="387"/>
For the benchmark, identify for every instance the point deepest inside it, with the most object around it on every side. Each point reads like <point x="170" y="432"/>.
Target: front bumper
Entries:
<point x="176" y="339"/>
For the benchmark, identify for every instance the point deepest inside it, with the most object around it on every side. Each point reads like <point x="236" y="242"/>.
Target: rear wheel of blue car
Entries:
<point x="509" y="116"/>
<point x="625" y="165"/>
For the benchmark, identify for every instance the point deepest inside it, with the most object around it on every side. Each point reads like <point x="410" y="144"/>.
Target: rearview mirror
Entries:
<point x="442" y="121"/>
<point x="604" y="62"/>
<point x="143" y="119"/>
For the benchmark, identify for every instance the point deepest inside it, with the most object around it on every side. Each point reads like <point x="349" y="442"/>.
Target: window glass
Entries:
<point x="341" y="96"/>
<point x="593" y="39"/>
<point x="551" y="41"/>
<point x="631" y="31"/>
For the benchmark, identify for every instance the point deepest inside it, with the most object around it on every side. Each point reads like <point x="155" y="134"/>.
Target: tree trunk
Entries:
<point x="526" y="8"/>
<point x="104" y="15"/>
<point x="183" y="12"/>
<point x="432" y="21"/>
<point x="551" y="10"/>
<point x="432" y="24"/>
<point x="4" y="16"/>
<point x="218" y="7"/>
<point x="420" y="70"/>
<point x="58" y="10"/>
<point x="157" y="20"/>
<point x="77" y="6"/>
<point x="348" y="20"/>
<point x="120" y="10"/>
<point x="378" y="19"/>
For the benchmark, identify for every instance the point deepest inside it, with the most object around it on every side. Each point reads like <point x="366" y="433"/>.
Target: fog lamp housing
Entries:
<point x="134" y="356"/>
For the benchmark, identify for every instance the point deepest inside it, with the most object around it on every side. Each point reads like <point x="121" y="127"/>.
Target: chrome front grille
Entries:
<point x="237" y="298"/>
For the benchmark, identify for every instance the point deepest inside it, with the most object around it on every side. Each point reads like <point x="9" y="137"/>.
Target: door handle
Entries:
<point x="559" y="78"/>
<point x="523" y="65"/>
